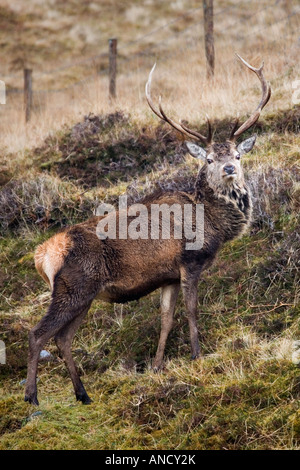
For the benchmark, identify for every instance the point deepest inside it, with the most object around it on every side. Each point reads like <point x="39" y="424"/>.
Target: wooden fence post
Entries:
<point x="208" y="12"/>
<point x="27" y="93"/>
<point x="112" y="68"/>
<point x="287" y="5"/>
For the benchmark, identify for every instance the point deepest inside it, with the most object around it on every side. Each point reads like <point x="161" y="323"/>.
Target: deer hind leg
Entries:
<point x="61" y="314"/>
<point x="190" y="296"/>
<point x="38" y="337"/>
<point x="63" y="341"/>
<point x="168" y="298"/>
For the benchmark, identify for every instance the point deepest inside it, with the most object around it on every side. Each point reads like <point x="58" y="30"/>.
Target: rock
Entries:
<point x="23" y="382"/>
<point x="45" y="355"/>
<point x="35" y="414"/>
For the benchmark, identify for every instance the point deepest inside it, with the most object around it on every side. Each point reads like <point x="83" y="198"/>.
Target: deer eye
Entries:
<point x="209" y="160"/>
<point x="238" y="156"/>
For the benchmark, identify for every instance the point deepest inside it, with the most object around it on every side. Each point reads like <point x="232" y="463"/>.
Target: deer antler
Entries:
<point x="178" y="126"/>
<point x="266" y="94"/>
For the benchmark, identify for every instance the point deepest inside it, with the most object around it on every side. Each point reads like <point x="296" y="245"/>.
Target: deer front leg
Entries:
<point x="190" y="296"/>
<point x="168" y="299"/>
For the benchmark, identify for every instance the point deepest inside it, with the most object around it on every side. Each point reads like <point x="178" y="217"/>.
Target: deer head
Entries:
<point x="222" y="160"/>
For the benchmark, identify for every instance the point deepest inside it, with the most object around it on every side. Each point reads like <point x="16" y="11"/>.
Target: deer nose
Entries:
<point x="229" y="169"/>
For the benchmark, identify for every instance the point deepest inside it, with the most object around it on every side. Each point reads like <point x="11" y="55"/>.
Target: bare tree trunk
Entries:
<point x="208" y="11"/>
<point x="288" y="7"/>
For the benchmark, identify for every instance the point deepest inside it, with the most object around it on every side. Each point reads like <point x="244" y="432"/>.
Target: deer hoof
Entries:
<point x="32" y="400"/>
<point x="84" y="398"/>
<point x="195" y="356"/>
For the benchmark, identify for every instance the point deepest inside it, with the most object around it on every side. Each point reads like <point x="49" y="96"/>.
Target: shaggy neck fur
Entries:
<point x="232" y="201"/>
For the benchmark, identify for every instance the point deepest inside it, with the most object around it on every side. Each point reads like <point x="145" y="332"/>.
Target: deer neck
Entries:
<point x="235" y="196"/>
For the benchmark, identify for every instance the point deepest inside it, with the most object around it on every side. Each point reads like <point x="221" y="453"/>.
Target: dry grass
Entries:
<point x="246" y="28"/>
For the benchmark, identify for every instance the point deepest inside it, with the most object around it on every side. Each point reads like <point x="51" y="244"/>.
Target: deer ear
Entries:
<point x="195" y="150"/>
<point x="247" y="145"/>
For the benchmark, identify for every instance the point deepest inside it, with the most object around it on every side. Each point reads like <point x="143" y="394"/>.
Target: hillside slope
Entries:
<point x="244" y="393"/>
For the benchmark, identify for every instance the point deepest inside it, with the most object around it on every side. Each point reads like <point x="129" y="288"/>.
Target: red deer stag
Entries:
<point x="80" y="266"/>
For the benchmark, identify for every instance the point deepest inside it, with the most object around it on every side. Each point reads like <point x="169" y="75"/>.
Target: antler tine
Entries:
<point x="266" y="94"/>
<point x="148" y="93"/>
<point x="181" y="127"/>
<point x="159" y="113"/>
<point x="234" y="128"/>
<point x="162" y="115"/>
<point x="170" y="121"/>
<point x="205" y="140"/>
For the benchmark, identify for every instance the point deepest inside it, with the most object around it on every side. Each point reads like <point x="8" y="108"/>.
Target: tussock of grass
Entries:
<point x="42" y="202"/>
<point x="105" y="149"/>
